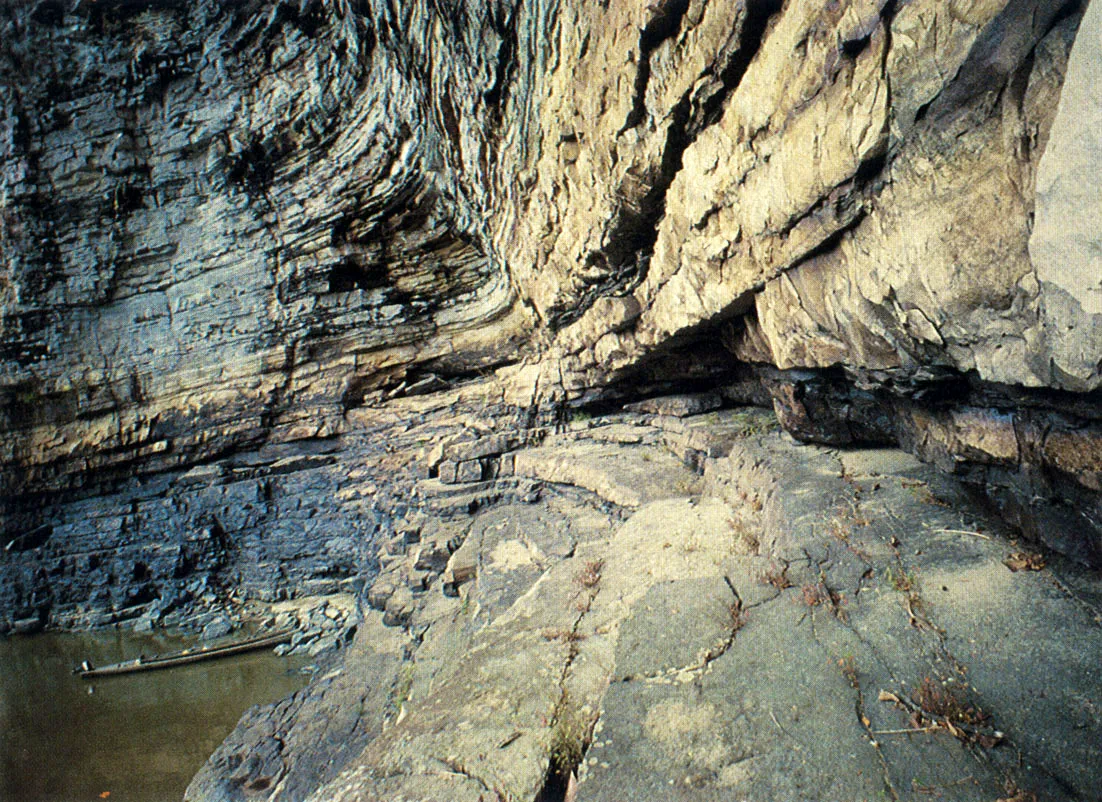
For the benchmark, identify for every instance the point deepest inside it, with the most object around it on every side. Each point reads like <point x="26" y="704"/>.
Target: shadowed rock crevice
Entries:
<point x="623" y="262"/>
<point x="661" y="27"/>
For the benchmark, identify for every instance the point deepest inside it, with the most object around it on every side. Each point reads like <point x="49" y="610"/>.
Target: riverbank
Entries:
<point x="649" y="605"/>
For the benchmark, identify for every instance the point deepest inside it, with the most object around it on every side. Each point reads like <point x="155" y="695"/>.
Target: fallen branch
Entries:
<point x="187" y="656"/>
<point x="963" y="532"/>
<point x="961" y="730"/>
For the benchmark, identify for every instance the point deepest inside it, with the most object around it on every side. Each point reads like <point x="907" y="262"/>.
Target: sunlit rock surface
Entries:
<point x="284" y="283"/>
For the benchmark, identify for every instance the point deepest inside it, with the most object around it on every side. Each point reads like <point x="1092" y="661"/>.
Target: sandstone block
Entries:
<point x="482" y="447"/>
<point x="462" y="567"/>
<point x="678" y="406"/>
<point x="380" y="592"/>
<point x="448" y="472"/>
<point x="399" y="607"/>
<point x="468" y="471"/>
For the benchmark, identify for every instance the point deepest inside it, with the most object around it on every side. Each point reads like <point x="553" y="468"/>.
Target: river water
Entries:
<point x="133" y="738"/>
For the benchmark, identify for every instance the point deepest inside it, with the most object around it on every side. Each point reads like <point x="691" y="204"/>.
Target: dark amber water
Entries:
<point x="134" y="738"/>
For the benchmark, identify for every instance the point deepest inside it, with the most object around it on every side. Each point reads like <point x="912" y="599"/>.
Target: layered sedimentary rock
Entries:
<point x="297" y="293"/>
<point x="221" y="220"/>
<point x="866" y="209"/>
<point x="227" y="225"/>
<point x="786" y="622"/>
<point x="223" y="225"/>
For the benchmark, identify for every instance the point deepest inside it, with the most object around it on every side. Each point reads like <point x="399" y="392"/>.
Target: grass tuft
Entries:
<point x="776" y="576"/>
<point x="590" y="575"/>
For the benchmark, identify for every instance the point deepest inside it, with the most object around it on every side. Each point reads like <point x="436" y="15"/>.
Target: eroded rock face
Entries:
<point x="871" y="200"/>
<point x="1066" y="245"/>
<point x="297" y="293"/>
<point x="231" y="225"/>
<point x="223" y="220"/>
<point x="851" y="603"/>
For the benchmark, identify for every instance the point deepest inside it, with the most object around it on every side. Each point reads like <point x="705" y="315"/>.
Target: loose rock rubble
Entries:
<point x="321" y="624"/>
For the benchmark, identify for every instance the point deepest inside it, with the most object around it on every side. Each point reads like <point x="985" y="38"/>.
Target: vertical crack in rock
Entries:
<point x="665" y="24"/>
<point x="759" y="13"/>
<point x="505" y="62"/>
<point x="634" y="232"/>
<point x="570" y="733"/>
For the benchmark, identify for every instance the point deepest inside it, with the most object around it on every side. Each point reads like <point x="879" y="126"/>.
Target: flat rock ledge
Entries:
<point x="648" y="606"/>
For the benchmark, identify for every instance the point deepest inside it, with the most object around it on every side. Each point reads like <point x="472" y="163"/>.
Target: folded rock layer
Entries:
<point x="233" y="234"/>
<point x="445" y="306"/>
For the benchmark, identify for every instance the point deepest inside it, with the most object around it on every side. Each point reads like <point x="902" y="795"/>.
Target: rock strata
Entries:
<point x="797" y="623"/>
<point x="226" y="226"/>
<point x="452" y="308"/>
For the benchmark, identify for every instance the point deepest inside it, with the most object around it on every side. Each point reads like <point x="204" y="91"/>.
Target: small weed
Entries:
<point x="746" y="540"/>
<point x="944" y="707"/>
<point x="937" y="706"/>
<point x="590" y="575"/>
<point x="562" y="635"/>
<point x="903" y="581"/>
<point x="814" y="595"/>
<point x="819" y="594"/>
<point x="945" y="702"/>
<point x="579" y="416"/>
<point x="753" y="421"/>
<point x="569" y="737"/>
<point x="752" y="500"/>
<point x="848" y="665"/>
<point x="922" y="492"/>
<point x="777" y="577"/>
<point x="403" y="684"/>
<point x="738" y="616"/>
<point x="1016" y="794"/>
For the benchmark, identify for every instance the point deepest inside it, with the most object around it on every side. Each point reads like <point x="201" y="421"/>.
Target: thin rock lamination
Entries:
<point x="228" y="226"/>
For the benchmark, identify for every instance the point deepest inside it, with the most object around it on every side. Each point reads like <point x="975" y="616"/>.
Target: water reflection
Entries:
<point x="140" y="737"/>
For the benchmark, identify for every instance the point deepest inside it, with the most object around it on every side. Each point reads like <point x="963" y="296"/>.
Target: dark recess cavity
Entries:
<point x="254" y="167"/>
<point x="349" y="275"/>
<point x="51" y="12"/>
<point x="108" y="16"/>
<point x="555" y="787"/>
<point x="310" y="19"/>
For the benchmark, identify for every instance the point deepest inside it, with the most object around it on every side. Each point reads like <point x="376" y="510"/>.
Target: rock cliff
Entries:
<point x="266" y="268"/>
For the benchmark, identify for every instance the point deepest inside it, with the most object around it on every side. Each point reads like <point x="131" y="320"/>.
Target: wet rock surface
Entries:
<point x="801" y="623"/>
